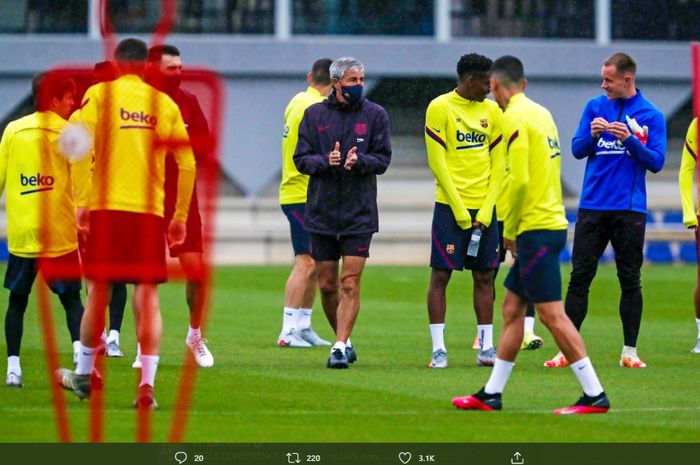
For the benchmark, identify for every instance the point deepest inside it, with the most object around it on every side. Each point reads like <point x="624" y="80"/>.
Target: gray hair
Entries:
<point x="342" y="65"/>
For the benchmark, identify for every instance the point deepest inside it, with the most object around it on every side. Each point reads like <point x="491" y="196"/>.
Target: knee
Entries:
<point x="629" y="281"/>
<point x="483" y="281"/>
<point x="327" y="284"/>
<point x="350" y="285"/>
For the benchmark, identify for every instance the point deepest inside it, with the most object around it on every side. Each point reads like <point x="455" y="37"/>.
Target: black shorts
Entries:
<point x="331" y="248"/>
<point x="535" y="275"/>
<point x="501" y="243"/>
<point x="450" y="243"/>
<point x="62" y="274"/>
<point x="300" y="238"/>
<point x="193" y="238"/>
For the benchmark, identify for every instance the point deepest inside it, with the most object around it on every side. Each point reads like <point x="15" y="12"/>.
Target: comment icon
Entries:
<point x="181" y="457"/>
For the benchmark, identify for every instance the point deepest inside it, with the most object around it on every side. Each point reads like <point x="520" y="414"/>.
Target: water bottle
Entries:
<point x="473" y="248"/>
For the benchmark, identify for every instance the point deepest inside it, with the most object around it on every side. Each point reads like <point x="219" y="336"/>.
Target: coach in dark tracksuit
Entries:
<point x="622" y="135"/>
<point x="343" y="145"/>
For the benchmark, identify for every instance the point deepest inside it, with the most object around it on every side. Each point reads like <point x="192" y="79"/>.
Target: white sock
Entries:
<point x="86" y="359"/>
<point x="339" y="345"/>
<point x="628" y="351"/>
<point x="529" y="324"/>
<point x="697" y="320"/>
<point x="437" y="333"/>
<point x="499" y="376"/>
<point x="303" y="319"/>
<point x="113" y="336"/>
<point x="193" y="334"/>
<point x="13" y="365"/>
<point x="103" y="337"/>
<point x="485" y="336"/>
<point x="289" y="319"/>
<point x="348" y="343"/>
<point x="149" y="366"/>
<point x="138" y="350"/>
<point x="76" y="347"/>
<point x="583" y="369"/>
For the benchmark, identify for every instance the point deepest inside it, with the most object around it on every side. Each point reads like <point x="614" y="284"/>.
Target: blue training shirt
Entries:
<point x="615" y="171"/>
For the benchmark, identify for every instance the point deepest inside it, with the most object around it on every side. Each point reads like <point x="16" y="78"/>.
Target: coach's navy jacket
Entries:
<point x="339" y="201"/>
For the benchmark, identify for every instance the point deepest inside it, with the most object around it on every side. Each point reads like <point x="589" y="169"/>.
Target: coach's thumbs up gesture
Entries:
<point x="334" y="156"/>
<point x="351" y="158"/>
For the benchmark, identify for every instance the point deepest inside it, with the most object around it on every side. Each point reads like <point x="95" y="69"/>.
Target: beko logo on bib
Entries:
<point x="470" y="137"/>
<point x="39" y="181"/>
<point x="138" y="117"/>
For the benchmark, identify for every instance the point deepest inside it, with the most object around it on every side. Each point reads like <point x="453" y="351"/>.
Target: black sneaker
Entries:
<point x="351" y="354"/>
<point x="587" y="404"/>
<point x="337" y="359"/>
<point x="479" y="401"/>
<point x="70" y="381"/>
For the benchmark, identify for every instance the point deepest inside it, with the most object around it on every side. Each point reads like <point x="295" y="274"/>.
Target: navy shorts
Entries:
<point x="450" y="242"/>
<point x="331" y="248"/>
<point x="535" y="275"/>
<point x="501" y="243"/>
<point x="62" y="274"/>
<point x="300" y="238"/>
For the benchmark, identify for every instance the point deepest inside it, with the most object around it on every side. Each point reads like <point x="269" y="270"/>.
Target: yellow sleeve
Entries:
<point x="436" y="147"/>
<point x="686" y="176"/>
<point x="498" y="169"/>
<point x="4" y="157"/>
<point x="184" y="157"/>
<point x="87" y="114"/>
<point x="81" y="180"/>
<point x="518" y="147"/>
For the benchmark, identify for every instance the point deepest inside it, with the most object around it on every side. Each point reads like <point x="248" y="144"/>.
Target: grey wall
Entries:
<point x="261" y="75"/>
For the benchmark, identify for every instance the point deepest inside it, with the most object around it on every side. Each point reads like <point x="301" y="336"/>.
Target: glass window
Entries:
<point x="523" y="18"/>
<point x="656" y="19"/>
<point x="196" y="16"/>
<point x="43" y="16"/>
<point x="363" y="17"/>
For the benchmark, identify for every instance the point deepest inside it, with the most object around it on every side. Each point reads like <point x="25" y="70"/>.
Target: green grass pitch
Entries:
<point x="257" y="392"/>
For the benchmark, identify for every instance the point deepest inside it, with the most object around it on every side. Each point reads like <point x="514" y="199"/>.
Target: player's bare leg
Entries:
<point x="483" y="308"/>
<point x="327" y="272"/>
<point x="196" y="295"/>
<point x="437" y="309"/>
<point x="342" y="352"/>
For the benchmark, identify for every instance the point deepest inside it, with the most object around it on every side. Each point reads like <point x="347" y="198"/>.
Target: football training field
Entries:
<point x="257" y="392"/>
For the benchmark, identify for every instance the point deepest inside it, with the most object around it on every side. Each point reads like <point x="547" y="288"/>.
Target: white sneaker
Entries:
<point x="137" y="363"/>
<point x="291" y="339"/>
<point x="310" y="336"/>
<point x="202" y="356"/>
<point x="696" y="349"/>
<point x="113" y="349"/>
<point x="13" y="380"/>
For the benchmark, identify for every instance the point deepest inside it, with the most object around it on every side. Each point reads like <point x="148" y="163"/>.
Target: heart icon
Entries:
<point x="405" y="457"/>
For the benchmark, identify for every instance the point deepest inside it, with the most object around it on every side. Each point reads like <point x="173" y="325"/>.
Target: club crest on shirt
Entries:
<point x="450" y="248"/>
<point x="360" y="129"/>
<point x="484" y="123"/>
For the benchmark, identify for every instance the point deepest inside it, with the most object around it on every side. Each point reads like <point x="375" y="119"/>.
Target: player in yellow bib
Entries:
<point x="465" y="153"/>
<point x="535" y="232"/>
<point x="690" y="215"/>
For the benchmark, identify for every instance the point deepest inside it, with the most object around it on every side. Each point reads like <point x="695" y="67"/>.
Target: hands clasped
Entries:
<point x="334" y="157"/>
<point x="617" y="129"/>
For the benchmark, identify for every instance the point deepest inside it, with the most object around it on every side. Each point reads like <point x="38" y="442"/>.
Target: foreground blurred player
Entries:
<point x="41" y="231"/>
<point x="535" y="232"/>
<point x="131" y="122"/>
<point x="344" y="143"/>
<point x="300" y="290"/>
<point x="465" y="153"/>
<point x="690" y="216"/>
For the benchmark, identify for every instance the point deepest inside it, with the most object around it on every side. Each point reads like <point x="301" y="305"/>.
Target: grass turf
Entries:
<point x="257" y="392"/>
